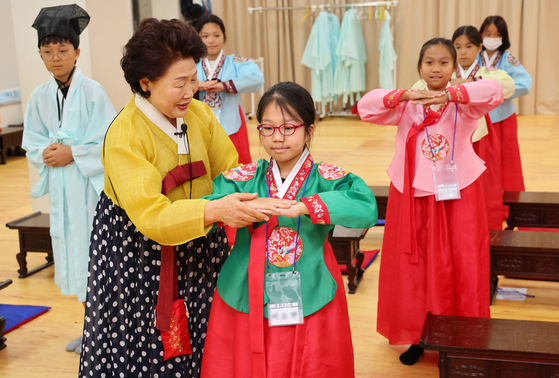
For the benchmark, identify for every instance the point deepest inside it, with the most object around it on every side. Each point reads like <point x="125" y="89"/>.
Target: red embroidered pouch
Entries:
<point x="176" y="341"/>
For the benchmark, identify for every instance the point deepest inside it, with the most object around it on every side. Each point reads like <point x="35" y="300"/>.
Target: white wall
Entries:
<point x="9" y="79"/>
<point x="165" y="9"/>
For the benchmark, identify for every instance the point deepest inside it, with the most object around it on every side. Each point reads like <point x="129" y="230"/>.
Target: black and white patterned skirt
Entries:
<point x="119" y="338"/>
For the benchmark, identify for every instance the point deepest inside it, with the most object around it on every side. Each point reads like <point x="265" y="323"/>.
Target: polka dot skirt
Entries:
<point x="119" y="338"/>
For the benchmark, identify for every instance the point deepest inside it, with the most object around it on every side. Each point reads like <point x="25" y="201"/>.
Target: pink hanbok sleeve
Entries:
<point x="380" y="106"/>
<point x="479" y="97"/>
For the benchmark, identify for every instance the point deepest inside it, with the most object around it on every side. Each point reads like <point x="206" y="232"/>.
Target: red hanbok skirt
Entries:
<point x="321" y="347"/>
<point x="488" y="149"/>
<point x="452" y="276"/>
<point x="510" y="154"/>
<point x="240" y="140"/>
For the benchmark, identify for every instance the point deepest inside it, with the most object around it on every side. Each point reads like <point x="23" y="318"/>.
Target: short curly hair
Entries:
<point x="155" y="46"/>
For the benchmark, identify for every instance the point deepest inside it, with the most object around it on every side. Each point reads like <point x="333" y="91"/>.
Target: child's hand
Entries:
<point x="424" y="94"/>
<point x="426" y="102"/>
<point x="295" y="211"/>
<point x="270" y="206"/>
<point x="204" y="85"/>
<point x="57" y="155"/>
<point x="217" y="87"/>
<point x="454" y="82"/>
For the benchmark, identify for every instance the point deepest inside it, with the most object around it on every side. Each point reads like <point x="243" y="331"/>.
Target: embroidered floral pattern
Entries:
<point x="440" y="147"/>
<point x="296" y="184"/>
<point x="281" y="246"/>
<point x="239" y="59"/>
<point x="319" y="215"/>
<point x="391" y="100"/>
<point x="174" y="335"/>
<point x="512" y="60"/>
<point x="242" y="173"/>
<point x="331" y="172"/>
<point x="440" y="109"/>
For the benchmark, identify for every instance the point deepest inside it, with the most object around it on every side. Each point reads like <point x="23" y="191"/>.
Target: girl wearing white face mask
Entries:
<point x="494" y="55"/>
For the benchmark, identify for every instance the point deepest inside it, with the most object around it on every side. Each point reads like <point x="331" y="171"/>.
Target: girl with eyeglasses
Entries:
<point x="279" y="309"/>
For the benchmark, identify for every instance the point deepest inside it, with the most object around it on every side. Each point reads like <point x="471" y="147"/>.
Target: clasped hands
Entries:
<point x="241" y="209"/>
<point x="211" y="86"/>
<point x="57" y="155"/>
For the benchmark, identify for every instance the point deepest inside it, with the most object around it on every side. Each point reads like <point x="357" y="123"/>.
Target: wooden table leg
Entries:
<point x="2" y="338"/>
<point x="22" y="261"/>
<point x="356" y="272"/>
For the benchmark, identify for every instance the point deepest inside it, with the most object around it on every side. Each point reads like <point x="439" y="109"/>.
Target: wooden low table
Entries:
<point x="34" y="236"/>
<point x="381" y="195"/>
<point x="492" y="348"/>
<point x="345" y="245"/>
<point x="525" y="254"/>
<point x="10" y="137"/>
<point x="532" y="209"/>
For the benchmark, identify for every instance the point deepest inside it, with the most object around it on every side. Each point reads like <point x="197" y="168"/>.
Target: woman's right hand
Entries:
<point x="234" y="211"/>
<point x="204" y="85"/>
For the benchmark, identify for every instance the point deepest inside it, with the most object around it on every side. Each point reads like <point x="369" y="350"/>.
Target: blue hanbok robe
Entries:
<point x="74" y="189"/>
<point x="239" y="75"/>
<point x="320" y="56"/>
<point x="349" y="78"/>
<point x="522" y="84"/>
<point x="387" y="61"/>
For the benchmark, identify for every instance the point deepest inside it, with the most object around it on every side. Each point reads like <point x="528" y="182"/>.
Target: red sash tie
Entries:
<point x="181" y="174"/>
<point x="256" y="269"/>
<point x="168" y="285"/>
<point x="408" y="215"/>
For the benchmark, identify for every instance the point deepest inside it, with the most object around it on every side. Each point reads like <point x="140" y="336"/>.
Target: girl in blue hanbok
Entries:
<point x="222" y="79"/>
<point x="495" y="55"/>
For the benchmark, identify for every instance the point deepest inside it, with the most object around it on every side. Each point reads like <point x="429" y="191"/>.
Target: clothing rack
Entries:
<point x="313" y="8"/>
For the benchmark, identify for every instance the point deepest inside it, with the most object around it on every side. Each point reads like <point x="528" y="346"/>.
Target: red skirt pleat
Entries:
<point x="452" y="276"/>
<point x="321" y="347"/>
<point x="491" y="180"/>
<point x="240" y="140"/>
<point x="510" y="154"/>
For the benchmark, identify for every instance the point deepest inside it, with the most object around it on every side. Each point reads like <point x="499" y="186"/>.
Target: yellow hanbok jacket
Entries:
<point x="138" y="154"/>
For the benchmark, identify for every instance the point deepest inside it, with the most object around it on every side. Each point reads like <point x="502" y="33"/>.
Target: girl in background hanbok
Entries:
<point x="222" y="79"/>
<point x="495" y="55"/>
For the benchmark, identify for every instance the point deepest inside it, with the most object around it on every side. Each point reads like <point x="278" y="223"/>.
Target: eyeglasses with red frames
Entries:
<point x="286" y="129"/>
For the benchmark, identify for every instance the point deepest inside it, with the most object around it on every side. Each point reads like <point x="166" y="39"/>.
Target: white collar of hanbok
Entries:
<point x="489" y="61"/>
<point x="211" y="70"/>
<point x="283" y="186"/>
<point x="163" y="123"/>
<point x="435" y="107"/>
<point x="466" y="74"/>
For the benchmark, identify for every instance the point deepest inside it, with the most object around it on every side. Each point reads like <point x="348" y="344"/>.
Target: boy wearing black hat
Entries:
<point x="65" y="123"/>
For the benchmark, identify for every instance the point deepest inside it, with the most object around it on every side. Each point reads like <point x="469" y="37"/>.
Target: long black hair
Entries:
<point x="292" y="99"/>
<point x="501" y="26"/>
<point x="437" y="41"/>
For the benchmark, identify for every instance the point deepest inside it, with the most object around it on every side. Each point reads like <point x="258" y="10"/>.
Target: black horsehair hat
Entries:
<point x="67" y="21"/>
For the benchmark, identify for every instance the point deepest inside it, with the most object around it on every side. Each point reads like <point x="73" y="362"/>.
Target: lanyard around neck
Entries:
<point x="298" y="219"/>
<point x="453" y="138"/>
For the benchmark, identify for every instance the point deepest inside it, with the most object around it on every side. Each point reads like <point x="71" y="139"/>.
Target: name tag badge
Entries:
<point x="446" y="182"/>
<point x="285" y="306"/>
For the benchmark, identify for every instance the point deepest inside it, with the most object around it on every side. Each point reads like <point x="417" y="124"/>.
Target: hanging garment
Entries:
<point x="349" y="78"/>
<point x="387" y="61"/>
<point x="319" y="56"/>
<point x="74" y="189"/>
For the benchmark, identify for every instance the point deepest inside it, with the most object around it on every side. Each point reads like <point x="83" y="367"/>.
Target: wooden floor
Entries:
<point x="37" y="348"/>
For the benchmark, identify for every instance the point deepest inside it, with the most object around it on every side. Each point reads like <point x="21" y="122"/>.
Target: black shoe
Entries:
<point x="411" y="356"/>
